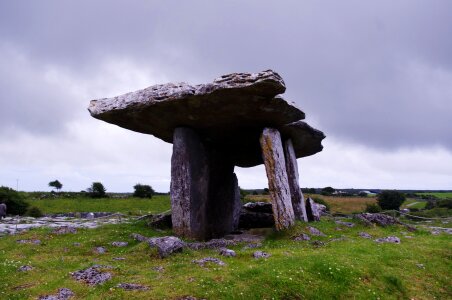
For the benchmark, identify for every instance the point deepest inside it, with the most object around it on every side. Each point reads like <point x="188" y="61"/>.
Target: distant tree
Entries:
<point x="327" y="191"/>
<point x="143" y="191"/>
<point x="255" y="193"/>
<point x="312" y="191"/>
<point x="266" y="191"/>
<point x="15" y="203"/>
<point x="97" y="190"/>
<point x="390" y="200"/>
<point x="56" y="184"/>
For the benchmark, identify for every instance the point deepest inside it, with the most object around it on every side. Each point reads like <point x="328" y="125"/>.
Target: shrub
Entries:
<point x="446" y="203"/>
<point x="143" y="191"/>
<point x="97" y="190"/>
<point x="373" y="208"/>
<point x="390" y="200"/>
<point x="321" y="201"/>
<point x="328" y="191"/>
<point x="15" y="203"/>
<point x="34" y="212"/>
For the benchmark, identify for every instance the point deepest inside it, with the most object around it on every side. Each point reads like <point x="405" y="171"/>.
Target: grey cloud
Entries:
<point x="376" y="73"/>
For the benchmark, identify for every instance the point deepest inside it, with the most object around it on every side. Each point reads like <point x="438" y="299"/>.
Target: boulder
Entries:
<point x="261" y="254"/>
<point x="93" y="275"/>
<point x="63" y="294"/>
<point x="389" y="239"/>
<point x="230" y="112"/>
<point x="314" y="210"/>
<point x="166" y="245"/>
<point x="315" y="231"/>
<point x="160" y="221"/>
<point x="227" y="252"/>
<point x="364" y="235"/>
<point x="379" y="219"/>
<point x="258" y="207"/>
<point x="255" y="219"/>
<point x="119" y="244"/>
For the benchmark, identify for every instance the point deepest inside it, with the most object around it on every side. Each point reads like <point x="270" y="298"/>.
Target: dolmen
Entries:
<point x="239" y="119"/>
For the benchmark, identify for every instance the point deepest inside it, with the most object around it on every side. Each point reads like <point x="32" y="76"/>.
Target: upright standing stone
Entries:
<point x="275" y="166"/>
<point x="189" y="184"/>
<point x="298" y="204"/>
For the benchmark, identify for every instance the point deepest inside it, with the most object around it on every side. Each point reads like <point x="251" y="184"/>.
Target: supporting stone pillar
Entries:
<point x="275" y="166"/>
<point x="298" y="203"/>
<point x="205" y="199"/>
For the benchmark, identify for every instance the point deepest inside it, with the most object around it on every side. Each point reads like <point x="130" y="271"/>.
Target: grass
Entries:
<point x="414" y="203"/>
<point x="131" y="206"/>
<point x="442" y="195"/>
<point x="354" y="268"/>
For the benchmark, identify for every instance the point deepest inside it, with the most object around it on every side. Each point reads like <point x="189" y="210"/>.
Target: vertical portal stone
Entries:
<point x="298" y="204"/>
<point x="275" y="166"/>
<point x="205" y="199"/>
<point x="189" y="184"/>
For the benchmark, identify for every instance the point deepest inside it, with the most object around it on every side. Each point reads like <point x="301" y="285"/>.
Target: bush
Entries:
<point x="321" y="201"/>
<point x="143" y="191"/>
<point x="34" y="212"/>
<point x="15" y="203"/>
<point x="97" y="190"/>
<point x="445" y="203"/>
<point x="373" y="208"/>
<point x="390" y="200"/>
<point x="327" y="191"/>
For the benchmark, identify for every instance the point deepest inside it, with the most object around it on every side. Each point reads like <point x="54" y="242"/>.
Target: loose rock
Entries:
<point x="227" y="252"/>
<point x="119" y="258"/>
<point x="347" y="224"/>
<point x="35" y="242"/>
<point x="167" y="245"/>
<point x="364" y="235"/>
<point x="100" y="250"/>
<point x="302" y="237"/>
<point x="212" y="244"/>
<point x="64" y="230"/>
<point x="389" y="239"/>
<point x="93" y="275"/>
<point x="139" y="237"/>
<point x="259" y="207"/>
<point x="379" y="219"/>
<point x="119" y="244"/>
<point x="25" y="268"/>
<point x="203" y="261"/>
<point x="63" y="294"/>
<point x="315" y="231"/>
<point x="317" y="243"/>
<point x="261" y="254"/>
<point x="132" y="287"/>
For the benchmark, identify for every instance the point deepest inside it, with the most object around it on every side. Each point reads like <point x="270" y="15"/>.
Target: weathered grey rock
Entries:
<point x="132" y="287"/>
<point x="160" y="221"/>
<point x="298" y="203"/>
<point x="227" y="252"/>
<point x="3" y="209"/>
<point x="93" y="275"/>
<point x="256" y="220"/>
<point x="158" y="269"/>
<point x="63" y="294"/>
<point x="261" y="254"/>
<point x="317" y="244"/>
<point x="166" y="245"/>
<point x="203" y="261"/>
<point x="138" y="237"/>
<point x="313" y="210"/>
<point x="315" y="231"/>
<point x="347" y="224"/>
<point x="364" y="235"/>
<point x="99" y="250"/>
<point x="389" y="239"/>
<point x="275" y="166"/>
<point x="212" y="244"/>
<point x="204" y="195"/>
<point x="379" y="219"/>
<point x="31" y="241"/>
<point x="25" y="268"/>
<point x="119" y="244"/>
<point x="228" y="111"/>
<point x="258" y="207"/>
<point x="64" y="230"/>
<point x="119" y="258"/>
<point x="302" y="237"/>
<point x="306" y="140"/>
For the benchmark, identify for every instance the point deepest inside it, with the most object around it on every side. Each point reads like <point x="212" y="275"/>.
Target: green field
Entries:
<point x="439" y="195"/>
<point x="414" y="203"/>
<point x="131" y="206"/>
<point x="352" y="268"/>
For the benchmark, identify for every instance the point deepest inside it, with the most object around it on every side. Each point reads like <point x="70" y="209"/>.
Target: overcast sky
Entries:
<point x="374" y="76"/>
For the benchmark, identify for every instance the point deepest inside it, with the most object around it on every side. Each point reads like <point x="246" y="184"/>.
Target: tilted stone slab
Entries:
<point x="230" y="112"/>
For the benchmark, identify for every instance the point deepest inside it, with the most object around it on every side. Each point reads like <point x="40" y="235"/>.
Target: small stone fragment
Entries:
<point x="93" y="275"/>
<point x="203" y="261"/>
<point x="389" y="239"/>
<point x="158" y="269"/>
<point x="76" y="244"/>
<point x="35" y="242"/>
<point x="139" y="237"/>
<point x="166" y="245"/>
<point x="119" y="258"/>
<point x="132" y="287"/>
<point x="227" y="252"/>
<point x="364" y="235"/>
<point x="420" y="266"/>
<point x="212" y="244"/>
<point x="119" y="244"/>
<point x="25" y="268"/>
<point x="261" y="254"/>
<point x="302" y="237"/>
<point x="253" y="246"/>
<point x="317" y="243"/>
<point x="65" y="230"/>
<point x="100" y="250"/>
<point x="63" y="294"/>
<point x="315" y="231"/>
<point x="347" y="224"/>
